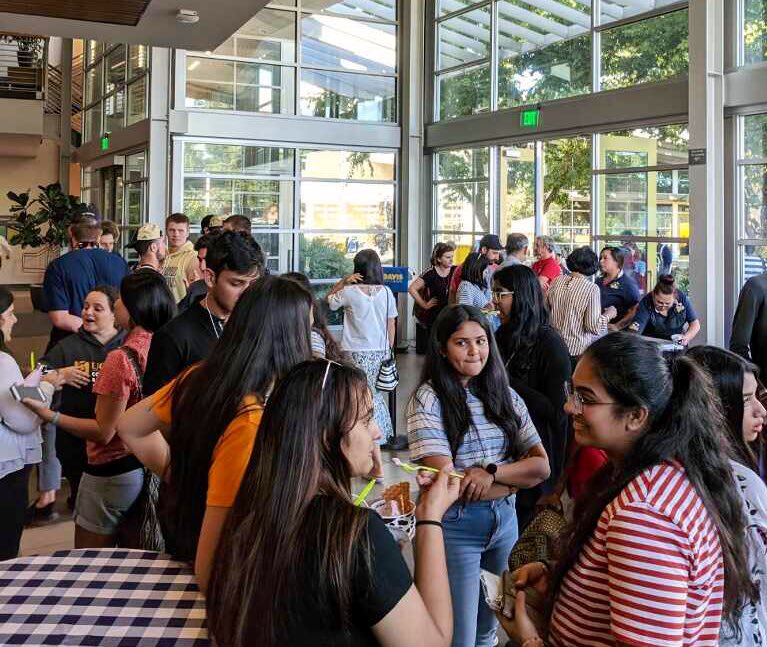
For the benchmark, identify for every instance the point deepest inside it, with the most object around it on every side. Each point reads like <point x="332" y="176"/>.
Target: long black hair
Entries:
<point x="332" y="349"/>
<point x="518" y="337"/>
<point x="6" y="301"/>
<point x="147" y="298"/>
<point x="367" y="264"/>
<point x="266" y="335"/>
<point x="473" y="269"/>
<point x="291" y="544"/>
<point x="491" y="386"/>
<point x="683" y="424"/>
<point x="727" y="371"/>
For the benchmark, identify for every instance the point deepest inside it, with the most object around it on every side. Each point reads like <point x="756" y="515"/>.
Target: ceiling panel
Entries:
<point x="125" y="12"/>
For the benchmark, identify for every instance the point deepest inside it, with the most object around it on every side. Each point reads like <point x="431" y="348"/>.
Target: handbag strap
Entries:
<point x="386" y="323"/>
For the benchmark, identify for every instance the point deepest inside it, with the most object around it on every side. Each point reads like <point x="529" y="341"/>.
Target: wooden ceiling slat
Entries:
<point x="124" y="12"/>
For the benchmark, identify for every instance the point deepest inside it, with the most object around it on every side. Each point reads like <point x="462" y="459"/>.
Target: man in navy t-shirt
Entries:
<point x="69" y="278"/>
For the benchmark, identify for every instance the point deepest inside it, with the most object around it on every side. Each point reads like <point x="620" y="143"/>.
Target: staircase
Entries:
<point x="53" y="94"/>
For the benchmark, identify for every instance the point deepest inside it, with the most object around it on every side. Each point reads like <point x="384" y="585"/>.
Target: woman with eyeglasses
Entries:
<point x="465" y="416"/>
<point x="198" y="431"/>
<point x="735" y="380"/>
<point x="538" y="364"/>
<point x="298" y="562"/>
<point x="666" y="313"/>
<point x="656" y="554"/>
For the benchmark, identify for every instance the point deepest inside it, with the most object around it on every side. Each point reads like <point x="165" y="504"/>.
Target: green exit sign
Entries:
<point x="105" y="142"/>
<point x="530" y="118"/>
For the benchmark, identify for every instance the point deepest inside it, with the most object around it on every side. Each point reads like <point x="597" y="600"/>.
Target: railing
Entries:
<point x="53" y="93"/>
<point x="22" y="66"/>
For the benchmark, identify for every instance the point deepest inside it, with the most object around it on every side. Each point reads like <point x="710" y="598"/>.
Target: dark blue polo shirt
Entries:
<point x="622" y="293"/>
<point x="650" y="323"/>
<point x="69" y="278"/>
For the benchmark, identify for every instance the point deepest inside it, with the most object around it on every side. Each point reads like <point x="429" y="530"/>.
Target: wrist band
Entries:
<point x="428" y="522"/>
<point x="56" y="416"/>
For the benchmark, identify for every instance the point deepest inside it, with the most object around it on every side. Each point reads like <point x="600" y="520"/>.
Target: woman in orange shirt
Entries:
<point x="198" y="431"/>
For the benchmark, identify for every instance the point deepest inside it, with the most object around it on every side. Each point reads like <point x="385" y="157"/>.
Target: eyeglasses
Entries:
<point x="499" y="294"/>
<point x="327" y="372"/>
<point x="576" y="401"/>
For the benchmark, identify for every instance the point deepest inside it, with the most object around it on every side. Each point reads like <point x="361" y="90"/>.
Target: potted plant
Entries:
<point x="42" y="221"/>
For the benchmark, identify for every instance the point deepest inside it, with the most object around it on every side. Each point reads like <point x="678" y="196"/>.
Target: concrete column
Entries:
<point x="65" y="124"/>
<point x="159" y="163"/>
<point x="706" y="118"/>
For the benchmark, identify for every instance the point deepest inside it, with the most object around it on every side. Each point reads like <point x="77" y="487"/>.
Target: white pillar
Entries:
<point x="65" y="123"/>
<point x="158" y="168"/>
<point x="706" y="118"/>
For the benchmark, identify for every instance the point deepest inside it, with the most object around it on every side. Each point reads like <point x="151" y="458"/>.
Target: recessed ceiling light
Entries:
<point x="187" y="16"/>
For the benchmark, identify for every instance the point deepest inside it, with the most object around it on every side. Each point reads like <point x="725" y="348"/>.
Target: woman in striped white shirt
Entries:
<point x="576" y="305"/>
<point x="464" y="414"/>
<point x="656" y="556"/>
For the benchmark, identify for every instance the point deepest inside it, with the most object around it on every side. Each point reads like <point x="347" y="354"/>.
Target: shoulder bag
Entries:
<point x="388" y="375"/>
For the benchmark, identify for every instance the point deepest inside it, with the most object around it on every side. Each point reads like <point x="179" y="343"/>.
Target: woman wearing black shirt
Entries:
<point x="298" y="563"/>
<point x="538" y="364"/>
<point x="430" y="292"/>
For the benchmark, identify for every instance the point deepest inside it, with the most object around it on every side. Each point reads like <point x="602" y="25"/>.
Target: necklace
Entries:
<point x="212" y="321"/>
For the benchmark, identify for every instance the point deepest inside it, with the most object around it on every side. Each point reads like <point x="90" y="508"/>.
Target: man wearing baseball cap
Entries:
<point x="150" y="246"/>
<point x="490" y="246"/>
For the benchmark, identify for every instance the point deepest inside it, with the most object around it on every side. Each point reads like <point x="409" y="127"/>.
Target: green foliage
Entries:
<point x="465" y="93"/>
<point x="55" y="212"/>
<point x="755" y="31"/>
<point x="567" y="167"/>
<point x="324" y="259"/>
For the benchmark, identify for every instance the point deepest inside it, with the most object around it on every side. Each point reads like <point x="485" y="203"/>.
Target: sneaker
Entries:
<point x="41" y="516"/>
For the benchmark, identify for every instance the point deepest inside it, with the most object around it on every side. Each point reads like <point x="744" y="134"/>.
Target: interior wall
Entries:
<point x="18" y="174"/>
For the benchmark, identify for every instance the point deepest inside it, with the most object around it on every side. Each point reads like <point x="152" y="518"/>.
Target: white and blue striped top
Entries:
<point x="484" y="443"/>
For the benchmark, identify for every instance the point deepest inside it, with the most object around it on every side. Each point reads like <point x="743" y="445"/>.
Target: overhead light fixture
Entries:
<point x="187" y="16"/>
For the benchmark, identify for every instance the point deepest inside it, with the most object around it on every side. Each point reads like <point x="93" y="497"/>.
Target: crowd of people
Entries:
<point x="199" y="405"/>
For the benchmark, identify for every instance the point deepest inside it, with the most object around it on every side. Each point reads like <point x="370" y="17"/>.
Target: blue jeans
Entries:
<point x="49" y="470"/>
<point x="477" y="535"/>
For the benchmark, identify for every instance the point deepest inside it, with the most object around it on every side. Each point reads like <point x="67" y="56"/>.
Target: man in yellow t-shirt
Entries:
<point x="180" y="266"/>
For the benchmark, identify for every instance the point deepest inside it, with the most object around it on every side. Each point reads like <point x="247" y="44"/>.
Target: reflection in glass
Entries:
<point x="278" y="249"/>
<point x="341" y="43"/>
<point x="137" y="101"/>
<point x="648" y="146"/>
<point x="755" y="200"/>
<point x="237" y="159"/>
<point x="263" y="201"/>
<point x="381" y="9"/>
<point x="93" y="50"/>
<point x="463" y="164"/>
<point x="114" y="111"/>
<point x="755" y="136"/>
<point x="330" y="256"/>
<point x="93" y="123"/>
<point x="338" y="95"/>
<point x="209" y="83"/>
<point x="330" y="205"/>
<point x="650" y="50"/>
<point x="463" y="39"/>
<point x="449" y="6"/>
<point x="115" y="68"/>
<point x="612" y="11"/>
<point x="463" y="207"/>
<point x="754" y="31"/>
<point x="465" y="92"/>
<point x="134" y="167"/>
<point x="517" y="180"/>
<point x="347" y="165"/>
<point x="93" y="83"/>
<point x="754" y="261"/>
<point x="463" y="243"/>
<point x="134" y="194"/>
<point x="269" y="36"/>
<point x="138" y="60"/>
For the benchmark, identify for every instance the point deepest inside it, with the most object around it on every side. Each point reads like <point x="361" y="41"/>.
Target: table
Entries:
<point x="101" y="598"/>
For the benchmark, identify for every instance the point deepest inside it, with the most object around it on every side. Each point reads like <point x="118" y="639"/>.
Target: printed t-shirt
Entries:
<point x="652" y="573"/>
<point x="231" y="454"/>
<point x="118" y="379"/>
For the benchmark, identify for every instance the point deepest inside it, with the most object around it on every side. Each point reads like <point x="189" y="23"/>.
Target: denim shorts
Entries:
<point x="102" y="501"/>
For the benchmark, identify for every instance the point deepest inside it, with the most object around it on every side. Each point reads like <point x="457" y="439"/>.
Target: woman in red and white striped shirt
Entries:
<point x="656" y="556"/>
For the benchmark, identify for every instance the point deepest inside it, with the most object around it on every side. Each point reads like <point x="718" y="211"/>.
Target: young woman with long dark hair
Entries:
<point x="298" y="563"/>
<point x="473" y="289"/>
<point x="735" y="380"/>
<point x="323" y="343"/>
<point x="537" y="360"/>
<point x="431" y="292"/>
<point x="208" y="417"/>
<point x="370" y="315"/>
<point x="465" y="416"/>
<point x="656" y="555"/>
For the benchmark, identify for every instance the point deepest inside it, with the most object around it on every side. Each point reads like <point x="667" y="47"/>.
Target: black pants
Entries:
<point x="13" y="508"/>
<point x="421" y="338"/>
<point x="70" y="451"/>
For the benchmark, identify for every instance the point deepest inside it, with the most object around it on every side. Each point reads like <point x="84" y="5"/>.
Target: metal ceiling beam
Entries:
<point x="562" y="11"/>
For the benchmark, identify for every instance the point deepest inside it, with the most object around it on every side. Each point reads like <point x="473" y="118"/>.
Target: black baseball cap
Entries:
<point x="491" y="241"/>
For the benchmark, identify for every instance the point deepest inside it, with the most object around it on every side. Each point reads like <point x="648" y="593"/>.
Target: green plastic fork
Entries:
<point x="365" y="491"/>
<point x="414" y="469"/>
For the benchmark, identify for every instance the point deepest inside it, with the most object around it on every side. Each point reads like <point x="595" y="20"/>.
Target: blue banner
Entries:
<point x="396" y="278"/>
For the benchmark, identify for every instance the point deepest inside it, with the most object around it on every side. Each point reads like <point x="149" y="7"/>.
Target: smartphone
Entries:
<point x="19" y="392"/>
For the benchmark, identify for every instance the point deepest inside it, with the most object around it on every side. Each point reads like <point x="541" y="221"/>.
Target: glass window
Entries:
<point x="380" y="9"/>
<point x="93" y="123"/>
<point x="341" y="205"/>
<point x="463" y="164"/>
<point x="263" y="88"/>
<point x="260" y="200"/>
<point x="612" y="11"/>
<point x="351" y="45"/>
<point x="567" y="192"/>
<point x="115" y="68"/>
<point x="93" y="50"/>
<point x="114" y="111"/>
<point x="517" y="185"/>
<point x="648" y="146"/>
<point x="464" y="38"/>
<point x="755" y="136"/>
<point x="338" y="95"/>
<point x="93" y="83"/>
<point x="278" y="249"/>
<point x="463" y="207"/>
<point x="134" y="167"/>
<point x="347" y="165"/>
<point x="137" y="101"/>
<point x="209" y="83"/>
<point x="236" y="159"/>
<point x="755" y="200"/>
<point x="754" y="31"/>
<point x="269" y="36"/>
<point x="330" y="256"/>
<point x="648" y="50"/>
<point x="138" y="60"/>
<point x="449" y="6"/>
<point x="464" y="92"/>
<point x="753" y="261"/>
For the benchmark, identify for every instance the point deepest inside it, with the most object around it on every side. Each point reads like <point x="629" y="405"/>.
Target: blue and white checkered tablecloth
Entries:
<point x="101" y="598"/>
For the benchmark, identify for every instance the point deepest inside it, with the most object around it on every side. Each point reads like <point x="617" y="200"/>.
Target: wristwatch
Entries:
<point x="491" y="469"/>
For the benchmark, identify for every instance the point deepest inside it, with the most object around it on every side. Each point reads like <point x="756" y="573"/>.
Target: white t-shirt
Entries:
<point x="366" y="310"/>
